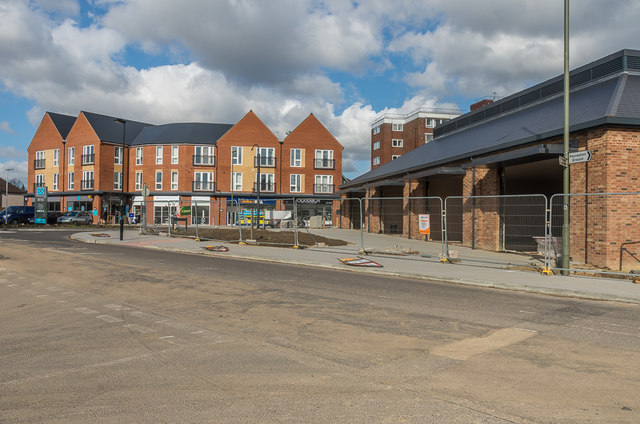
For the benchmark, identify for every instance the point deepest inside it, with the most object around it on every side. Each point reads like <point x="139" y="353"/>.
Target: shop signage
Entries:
<point x="424" y="224"/>
<point x="184" y="211"/>
<point x="40" y="205"/>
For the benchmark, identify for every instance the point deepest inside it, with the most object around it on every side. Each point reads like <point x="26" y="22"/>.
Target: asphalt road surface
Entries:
<point x="94" y="333"/>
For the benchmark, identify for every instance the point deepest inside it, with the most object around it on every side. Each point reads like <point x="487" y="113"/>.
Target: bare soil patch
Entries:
<point x="271" y="237"/>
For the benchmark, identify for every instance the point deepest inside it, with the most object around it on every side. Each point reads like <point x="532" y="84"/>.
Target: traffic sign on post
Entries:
<point x="581" y="156"/>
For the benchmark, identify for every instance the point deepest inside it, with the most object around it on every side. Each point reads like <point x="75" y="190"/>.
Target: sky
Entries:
<point x="347" y="62"/>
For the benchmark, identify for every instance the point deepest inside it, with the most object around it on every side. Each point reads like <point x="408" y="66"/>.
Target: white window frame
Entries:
<point x="158" y="182"/>
<point x="428" y="138"/>
<point x="376" y="130"/>
<point x="174" y="180"/>
<point x="296" y="158"/>
<point x="205" y="153"/>
<point x="430" y="122"/>
<point x="159" y="152"/>
<point x="376" y="145"/>
<point x="295" y="183"/>
<point x="72" y="156"/>
<point x="139" y="153"/>
<point x="236" y="181"/>
<point x="203" y="177"/>
<point x="56" y="157"/>
<point x="138" y="180"/>
<point x="117" y="180"/>
<point x="85" y="175"/>
<point x="39" y="180"/>
<point x="71" y="181"/>
<point x="40" y="155"/>
<point x="323" y="180"/>
<point x="269" y="180"/>
<point x="56" y="181"/>
<point x="236" y="155"/>
<point x="89" y="150"/>
<point x="267" y="156"/>
<point x="175" y="152"/>
<point x="118" y="155"/>
<point x="397" y="127"/>
<point x="394" y="157"/>
<point x="376" y="160"/>
<point x="397" y="142"/>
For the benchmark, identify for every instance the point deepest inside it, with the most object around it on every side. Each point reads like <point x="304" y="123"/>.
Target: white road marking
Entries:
<point x="42" y="295"/>
<point x="12" y="285"/>
<point x="168" y="339"/>
<point x="109" y="318"/>
<point x="35" y="283"/>
<point x="139" y="314"/>
<point x="197" y="332"/>
<point x="116" y="307"/>
<point x="52" y="288"/>
<point x="526" y="312"/>
<point x="86" y="311"/>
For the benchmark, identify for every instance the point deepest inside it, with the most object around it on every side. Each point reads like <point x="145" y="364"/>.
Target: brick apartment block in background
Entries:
<point x="393" y="135"/>
<point x="91" y="161"/>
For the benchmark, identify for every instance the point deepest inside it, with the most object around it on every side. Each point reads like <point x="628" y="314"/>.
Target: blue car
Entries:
<point x="16" y="214"/>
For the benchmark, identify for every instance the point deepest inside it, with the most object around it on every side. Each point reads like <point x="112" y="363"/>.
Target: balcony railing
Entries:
<point x="324" y="163"/>
<point x="204" y="186"/>
<point x="323" y="188"/>
<point x="265" y="187"/>
<point x="38" y="164"/>
<point x="265" y="162"/>
<point x="89" y="159"/>
<point x="86" y="184"/>
<point x="204" y="160"/>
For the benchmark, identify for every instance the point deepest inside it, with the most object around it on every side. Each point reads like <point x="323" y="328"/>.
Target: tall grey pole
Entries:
<point x="565" y="186"/>
<point x="124" y="138"/>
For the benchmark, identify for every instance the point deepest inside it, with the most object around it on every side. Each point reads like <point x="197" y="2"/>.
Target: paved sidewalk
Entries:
<point x="415" y="266"/>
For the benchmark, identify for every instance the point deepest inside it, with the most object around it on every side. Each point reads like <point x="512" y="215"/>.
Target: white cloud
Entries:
<point x="6" y="127"/>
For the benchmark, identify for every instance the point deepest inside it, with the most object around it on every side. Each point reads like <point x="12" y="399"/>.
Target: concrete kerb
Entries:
<point x="550" y="291"/>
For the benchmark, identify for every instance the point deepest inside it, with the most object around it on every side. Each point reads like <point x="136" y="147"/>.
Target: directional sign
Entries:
<point x="581" y="156"/>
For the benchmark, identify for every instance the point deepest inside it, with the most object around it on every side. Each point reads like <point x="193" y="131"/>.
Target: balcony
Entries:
<point x="265" y="187"/>
<point x="324" y="163"/>
<point x="38" y="164"/>
<point x="204" y="160"/>
<point x="265" y="162"/>
<point x="323" y="188"/>
<point x="89" y="159"/>
<point x="204" y="185"/>
<point x="86" y="184"/>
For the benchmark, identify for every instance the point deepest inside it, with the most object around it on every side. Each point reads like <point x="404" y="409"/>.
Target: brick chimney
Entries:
<point x="478" y="105"/>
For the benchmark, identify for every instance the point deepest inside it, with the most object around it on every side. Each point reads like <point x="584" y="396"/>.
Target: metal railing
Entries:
<point x="323" y="188"/>
<point x="204" y="160"/>
<point x="203" y="186"/>
<point x="39" y="163"/>
<point x="265" y="187"/>
<point x="265" y="161"/>
<point x="86" y="184"/>
<point x="324" y="163"/>
<point x="88" y="159"/>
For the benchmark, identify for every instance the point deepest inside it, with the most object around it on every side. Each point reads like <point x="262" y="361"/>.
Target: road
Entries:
<point x="102" y="334"/>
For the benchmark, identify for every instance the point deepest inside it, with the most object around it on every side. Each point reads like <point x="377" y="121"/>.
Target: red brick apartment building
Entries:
<point x="393" y="135"/>
<point x="511" y="147"/>
<point x="90" y="162"/>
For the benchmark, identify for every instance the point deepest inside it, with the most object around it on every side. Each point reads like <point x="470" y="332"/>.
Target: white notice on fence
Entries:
<point x="424" y="224"/>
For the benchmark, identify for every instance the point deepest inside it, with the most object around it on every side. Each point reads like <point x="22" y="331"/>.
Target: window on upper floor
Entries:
<point x="56" y="181"/>
<point x="397" y="127"/>
<point x="174" y="180"/>
<point x="117" y="155"/>
<point x="376" y="130"/>
<point x="376" y="145"/>
<point x="430" y="122"/>
<point x="117" y="180"/>
<point x="71" y="181"/>
<point x="56" y="157"/>
<point x="158" y="155"/>
<point x="138" y="180"/>
<point x="376" y="160"/>
<point x="138" y="155"/>
<point x="324" y="159"/>
<point x="394" y="157"/>
<point x="396" y="142"/>
<point x="295" y="183"/>
<point x="158" y="180"/>
<point x="236" y="181"/>
<point x="236" y="155"/>
<point x="296" y="158"/>
<point x="72" y="155"/>
<point x="174" y="155"/>
<point x="428" y="137"/>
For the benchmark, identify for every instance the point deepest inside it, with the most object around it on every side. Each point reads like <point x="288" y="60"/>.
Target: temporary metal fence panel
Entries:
<point x="414" y="225"/>
<point x="497" y="224"/>
<point x="604" y="233"/>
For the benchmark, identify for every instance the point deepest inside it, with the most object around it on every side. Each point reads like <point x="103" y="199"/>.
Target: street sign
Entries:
<point x="40" y="205"/>
<point x="581" y="156"/>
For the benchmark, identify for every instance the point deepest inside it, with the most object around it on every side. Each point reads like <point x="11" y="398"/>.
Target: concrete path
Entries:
<point x="423" y="265"/>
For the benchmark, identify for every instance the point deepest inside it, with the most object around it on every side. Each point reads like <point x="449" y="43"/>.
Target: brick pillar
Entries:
<point x="413" y="208"/>
<point x="480" y="217"/>
<point x="374" y="211"/>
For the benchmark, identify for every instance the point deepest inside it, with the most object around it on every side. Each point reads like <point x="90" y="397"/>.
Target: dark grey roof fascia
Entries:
<point x="390" y="182"/>
<point x="527" y="152"/>
<point x="182" y="133"/>
<point x="110" y="131"/>
<point x="63" y="123"/>
<point x="443" y="170"/>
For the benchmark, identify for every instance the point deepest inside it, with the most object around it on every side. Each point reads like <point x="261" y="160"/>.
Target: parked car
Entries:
<point x="17" y="214"/>
<point x="52" y="218"/>
<point x="75" y="217"/>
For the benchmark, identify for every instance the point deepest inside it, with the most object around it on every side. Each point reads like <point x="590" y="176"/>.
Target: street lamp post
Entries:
<point x="6" y="195"/>
<point x="257" y="183"/>
<point x="124" y="137"/>
<point x="565" y="176"/>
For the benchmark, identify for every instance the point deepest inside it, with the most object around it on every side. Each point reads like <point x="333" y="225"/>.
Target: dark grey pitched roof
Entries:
<point x="110" y="131"/>
<point x="615" y="99"/>
<point x="182" y="133"/>
<point x="63" y="123"/>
